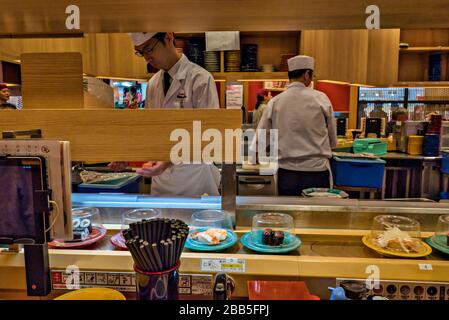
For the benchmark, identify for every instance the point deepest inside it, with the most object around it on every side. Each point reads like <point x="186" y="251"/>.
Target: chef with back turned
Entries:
<point x="306" y="131"/>
<point x="179" y="83"/>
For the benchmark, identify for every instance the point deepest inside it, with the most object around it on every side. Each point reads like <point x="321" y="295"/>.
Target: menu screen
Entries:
<point x="18" y="218"/>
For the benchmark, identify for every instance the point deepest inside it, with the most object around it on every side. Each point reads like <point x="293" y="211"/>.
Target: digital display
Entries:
<point x="19" y="186"/>
<point x="16" y="202"/>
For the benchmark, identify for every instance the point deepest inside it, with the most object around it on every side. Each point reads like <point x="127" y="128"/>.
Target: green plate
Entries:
<point x="340" y="193"/>
<point x="195" y="245"/>
<point x="435" y="242"/>
<point x="291" y="242"/>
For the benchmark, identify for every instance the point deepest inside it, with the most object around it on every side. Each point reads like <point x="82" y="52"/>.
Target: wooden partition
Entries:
<point x="52" y="81"/>
<point x="122" y="135"/>
<point x="355" y="56"/>
<point x="45" y="16"/>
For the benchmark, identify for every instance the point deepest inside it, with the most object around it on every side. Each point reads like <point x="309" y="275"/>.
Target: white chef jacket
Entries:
<point x="191" y="87"/>
<point x="306" y="128"/>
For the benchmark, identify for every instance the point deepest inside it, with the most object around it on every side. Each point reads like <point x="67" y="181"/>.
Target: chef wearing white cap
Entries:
<point x="178" y="84"/>
<point x="306" y="131"/>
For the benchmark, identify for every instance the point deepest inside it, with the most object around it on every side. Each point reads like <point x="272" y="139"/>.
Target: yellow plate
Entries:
<point x="92" y="294"/>
<point x="391" y="253"/>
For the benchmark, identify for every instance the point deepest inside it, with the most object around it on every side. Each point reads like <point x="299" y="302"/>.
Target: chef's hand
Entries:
<point x="118" y="166"/>
<point x="151" y="169"/>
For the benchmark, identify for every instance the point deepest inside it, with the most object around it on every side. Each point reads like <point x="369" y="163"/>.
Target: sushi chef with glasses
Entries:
<point x="179" y="83"/>
<point x="306" y="128"/>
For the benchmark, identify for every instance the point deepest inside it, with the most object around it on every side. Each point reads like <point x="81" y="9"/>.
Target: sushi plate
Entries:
<point x="436" y="244"/>
<point x="118" y="241"/>
<point x="97" y="234"/>
<point x="195" y="245"/>
<point x="291" y="242"/>
<point x="367" y="241"/>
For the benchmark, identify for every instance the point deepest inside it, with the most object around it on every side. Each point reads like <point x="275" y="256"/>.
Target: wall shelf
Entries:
<point x="248" y="76"/>
<point x="424" y="49"/>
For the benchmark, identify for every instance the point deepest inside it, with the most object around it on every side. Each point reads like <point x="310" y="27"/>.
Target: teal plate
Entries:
<point x="434" y="243"/>
<point x="195" y="245"/>
<point x="291" y="242"/>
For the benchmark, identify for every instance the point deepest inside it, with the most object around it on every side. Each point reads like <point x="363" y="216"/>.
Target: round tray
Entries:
<point x="332" y="193"/>
<point x="435" y="245"/>
<point x="97" y="234"/>
<point x="391" y="253"/>
<point x="195" y="245"/>
<point x="291" y="242"/>
<point x="118" y="241"/>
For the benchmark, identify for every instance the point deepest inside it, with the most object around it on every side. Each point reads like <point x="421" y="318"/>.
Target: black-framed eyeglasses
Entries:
<point x="146" y="50"/>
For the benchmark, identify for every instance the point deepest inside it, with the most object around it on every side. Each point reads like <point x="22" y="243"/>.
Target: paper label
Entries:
<point x="223" y="265"/>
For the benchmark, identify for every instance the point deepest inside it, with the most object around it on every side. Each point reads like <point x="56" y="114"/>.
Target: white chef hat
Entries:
<point x="141" y="37"/>
<point x="300" y="62"/>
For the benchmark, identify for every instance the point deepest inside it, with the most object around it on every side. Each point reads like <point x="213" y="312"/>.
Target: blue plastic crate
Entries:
<point x="349" y="172"/>
<point x="445" y="162"/>
<point x="130" y="185"/>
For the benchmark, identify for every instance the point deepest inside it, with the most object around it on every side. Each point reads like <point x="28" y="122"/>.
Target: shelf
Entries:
<point x="276" y="89"/>
<point x="426" y="84"/>
<point x="424" y="49"/>
<point x="224" y="76"/>
<point x="251" y="76"/>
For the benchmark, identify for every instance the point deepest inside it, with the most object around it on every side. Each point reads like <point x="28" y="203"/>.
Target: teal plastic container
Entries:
<point x="370" y="145"/>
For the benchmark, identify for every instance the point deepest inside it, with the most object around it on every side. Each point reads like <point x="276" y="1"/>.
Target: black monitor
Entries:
<point x="342" y="124"/>
<point x="373" y="125"/>
<point x="24" y="200"/>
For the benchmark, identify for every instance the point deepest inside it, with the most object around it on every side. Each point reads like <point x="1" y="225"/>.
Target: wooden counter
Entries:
<point x="324" y="254"/>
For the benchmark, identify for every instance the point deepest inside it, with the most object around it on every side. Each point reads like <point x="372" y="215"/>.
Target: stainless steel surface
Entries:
<point x="431" y="179"/>
<point x="400" y="156"/>
<point x="250" y="185"/>
<point x="228" y="187"/>
<point x="338" y="213"/>
<point x="307" y="213"/>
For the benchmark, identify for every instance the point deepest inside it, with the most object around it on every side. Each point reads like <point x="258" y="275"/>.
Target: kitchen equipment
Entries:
<point x="342" y="126"/>
<point x="431" y="145"/>
<point x="415" y="144"/>
<point x="373" y="125"/>
<point x="355" y="134"/>
<point x="406" y="129"/>
<point x="445" y="162"/>
<point x="256" y="185"/>
<point x="370" y="145"/>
